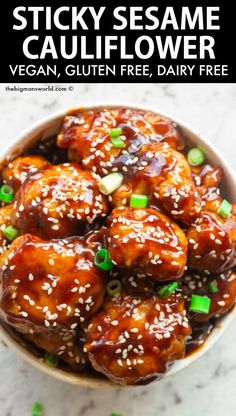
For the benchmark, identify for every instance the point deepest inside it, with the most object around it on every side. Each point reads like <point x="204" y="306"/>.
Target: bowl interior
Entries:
<point x="50" y="127"/>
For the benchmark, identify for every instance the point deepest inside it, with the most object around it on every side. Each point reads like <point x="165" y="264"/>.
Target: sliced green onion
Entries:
<point x="6" y="193"/>
<point x="116" y="414"/>
<point x="196" y="156"/>
<point x="200" y="304"/>
<point x="102" y="260"/>
<point x="37" y="409"/>
<point x="117" y="142"/>
<point x="225" y="209"/>
<point x="114" y="287"/>
<point x="138" y="201"/>
<point x="167" y="290"/>
<point x="110" y="183"/>
<point x="51" y="359"/>
<point x="115" y="137"/>
<point x="11" y="232"/>
<point x="213" y="287"/>
<point x="116" y="132"/>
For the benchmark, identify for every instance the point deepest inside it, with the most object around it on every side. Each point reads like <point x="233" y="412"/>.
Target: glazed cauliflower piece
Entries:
<point x="131" y="340"/>
<point x="207" y="179"/>
<point x="221" y="301"/>
<point x="146" y="241"/>
<point x="49" y="288"/>
<point x="58" y="201"/>
<point x="163" y="174"/>
<point x="87" y="136"/>
<point x="17" y="171"/>
<point x="212" y="243"/>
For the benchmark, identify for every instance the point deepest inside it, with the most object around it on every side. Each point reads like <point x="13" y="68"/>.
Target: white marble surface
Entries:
<point x="208" y="386"/>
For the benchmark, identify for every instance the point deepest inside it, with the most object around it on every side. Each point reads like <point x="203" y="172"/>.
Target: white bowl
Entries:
<point x="50" y="126"/>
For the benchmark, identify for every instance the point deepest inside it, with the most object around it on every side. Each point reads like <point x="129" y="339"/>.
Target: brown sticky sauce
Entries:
<point x="200" y="333"/>
<point x="49" y="150"/>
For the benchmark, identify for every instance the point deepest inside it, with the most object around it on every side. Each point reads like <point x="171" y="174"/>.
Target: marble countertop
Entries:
<point x="207" y="386"/>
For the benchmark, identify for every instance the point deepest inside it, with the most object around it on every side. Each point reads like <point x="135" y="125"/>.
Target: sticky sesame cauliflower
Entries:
<point x="58" y="201"/>
<point x="117" y="245"/>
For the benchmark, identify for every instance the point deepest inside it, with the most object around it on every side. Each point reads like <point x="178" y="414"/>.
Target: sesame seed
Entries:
<point x="221" y="303"/>
<point x="120" y="363"/>
<point x="134" y="330"/>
